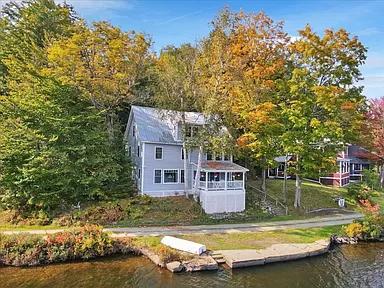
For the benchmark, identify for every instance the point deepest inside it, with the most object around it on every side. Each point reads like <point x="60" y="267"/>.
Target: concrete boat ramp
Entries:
<point x="249" y="257"/>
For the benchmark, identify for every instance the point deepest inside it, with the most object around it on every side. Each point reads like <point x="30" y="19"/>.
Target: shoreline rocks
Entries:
<point x="198" y="263"/>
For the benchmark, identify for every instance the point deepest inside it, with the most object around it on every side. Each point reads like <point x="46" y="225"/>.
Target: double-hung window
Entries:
<point x="159" y="153"/>
<point x="182" y="179"/>
<point x="157" y="176"/>
<point x="170" y="176"/>
<point x="182" y="154"/>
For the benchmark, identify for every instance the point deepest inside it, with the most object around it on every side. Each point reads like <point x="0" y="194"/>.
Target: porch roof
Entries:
<point x="212" y="166"/>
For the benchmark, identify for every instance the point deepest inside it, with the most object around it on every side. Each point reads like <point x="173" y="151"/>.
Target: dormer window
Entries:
<point x="209" y="156"/>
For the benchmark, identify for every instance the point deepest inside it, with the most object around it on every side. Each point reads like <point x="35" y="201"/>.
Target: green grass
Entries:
<point x="313" y="196"/>
<point x="261" y="240"/>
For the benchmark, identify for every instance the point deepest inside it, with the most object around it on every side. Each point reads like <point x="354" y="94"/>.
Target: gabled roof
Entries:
<point x="159" y="125"/>
<point x="354" y="153"/>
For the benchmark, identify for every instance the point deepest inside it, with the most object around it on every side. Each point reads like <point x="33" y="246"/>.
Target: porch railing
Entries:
<point x="220" y="185"/>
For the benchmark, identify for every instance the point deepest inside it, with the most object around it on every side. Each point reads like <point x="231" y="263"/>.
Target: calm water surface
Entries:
<point x="347" y="266"/>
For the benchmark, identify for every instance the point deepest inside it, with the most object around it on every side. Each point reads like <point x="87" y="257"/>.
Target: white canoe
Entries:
<point x="183" y="245"/>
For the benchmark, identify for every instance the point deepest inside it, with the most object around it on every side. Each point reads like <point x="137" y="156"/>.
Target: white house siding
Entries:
<point x="171" y="161"/>
<point x="222" y="201"/>
<point x="136" y="159"/>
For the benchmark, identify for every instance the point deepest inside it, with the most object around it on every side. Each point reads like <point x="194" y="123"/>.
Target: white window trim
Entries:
<point x="161" y="176"/>
<point x="178" y="178"/>
<point x="162" y="152"/>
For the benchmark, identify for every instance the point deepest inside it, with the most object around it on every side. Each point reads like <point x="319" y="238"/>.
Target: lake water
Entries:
<point x="346" y="266"/>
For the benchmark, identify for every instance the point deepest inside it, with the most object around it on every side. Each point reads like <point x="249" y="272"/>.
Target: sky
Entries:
<point x="176" y="22"/>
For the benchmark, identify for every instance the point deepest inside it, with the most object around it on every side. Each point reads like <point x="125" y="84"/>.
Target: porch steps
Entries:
<point x="218" y="257"/>
<point x="267" y="204"/>
<point x="272" y="208"/>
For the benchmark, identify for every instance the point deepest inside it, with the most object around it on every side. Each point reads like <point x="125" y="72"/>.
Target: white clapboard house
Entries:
<point x="154" y="143"/>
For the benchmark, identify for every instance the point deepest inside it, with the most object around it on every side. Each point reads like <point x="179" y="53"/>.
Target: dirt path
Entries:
<point x="215" y="229"/>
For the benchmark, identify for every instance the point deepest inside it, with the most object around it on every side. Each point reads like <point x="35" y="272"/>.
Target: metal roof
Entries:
<point x="221" y="166"/>
<point x="159" y="125"/>
<point x="281" y="159"/>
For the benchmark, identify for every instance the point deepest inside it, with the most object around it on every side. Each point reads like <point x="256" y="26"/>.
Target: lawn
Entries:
<point x="261" y="240"/>
<point x="313" y="196"/>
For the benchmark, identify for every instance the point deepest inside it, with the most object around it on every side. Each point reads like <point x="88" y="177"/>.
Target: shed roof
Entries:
<point x="158" y="125"/>
<point x="211" y="166"/>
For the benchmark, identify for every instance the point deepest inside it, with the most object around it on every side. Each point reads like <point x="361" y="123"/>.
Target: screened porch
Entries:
<point x="217" y="175"/>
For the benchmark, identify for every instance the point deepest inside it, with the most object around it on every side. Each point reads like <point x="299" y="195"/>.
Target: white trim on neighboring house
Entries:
<point x="142" y="170"/>
<point x="178" y="180"/>
<point x="154" y="176"/>
<point x="334" y="178"/>
<point x="162" y="153"/>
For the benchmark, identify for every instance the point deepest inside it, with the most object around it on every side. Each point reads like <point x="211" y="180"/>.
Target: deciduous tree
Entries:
<point x="372" y="135"/>
<point x="323" y="108"/>
<point x="104" y="62"/>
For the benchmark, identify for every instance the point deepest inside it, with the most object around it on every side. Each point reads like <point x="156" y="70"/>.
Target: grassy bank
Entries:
<point x="261" y="240"/>
<point x="138" y="211"/>
<point x="313" y="196"/>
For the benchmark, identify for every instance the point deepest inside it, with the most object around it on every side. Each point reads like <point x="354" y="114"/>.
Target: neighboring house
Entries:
<point x="154" y="144"/>
<point x="278" y="172"/>
<point x="349" y="162"/>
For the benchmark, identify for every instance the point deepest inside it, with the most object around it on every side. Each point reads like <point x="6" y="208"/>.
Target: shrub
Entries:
<point x="371" y="179"/>
<point x="354" y="230"/>
<point x="359" y="191"/>
<point x="29" y="250"/>
<point x="35" y="218"/>
<point x="371" y="226"/>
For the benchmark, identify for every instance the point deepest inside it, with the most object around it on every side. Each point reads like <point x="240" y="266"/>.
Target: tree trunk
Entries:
<point x="109" y="122"/>
<point x="197" y="178"/>
<point x="263" y="178"/>
<point x="298" y="185"/>
<point x="285" y="180"/>
<point x="186" y="172"/>
<point x="186" y="178"/>
<point x="381" y="177"/>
